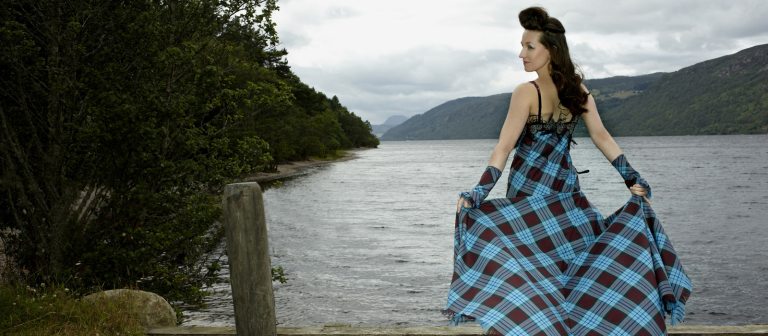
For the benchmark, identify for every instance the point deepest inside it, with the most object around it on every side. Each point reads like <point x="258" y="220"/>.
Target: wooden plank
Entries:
<point x="686" y="330"/>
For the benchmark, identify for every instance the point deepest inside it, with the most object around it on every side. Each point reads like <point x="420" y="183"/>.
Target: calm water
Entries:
<point x="369" y="241"/>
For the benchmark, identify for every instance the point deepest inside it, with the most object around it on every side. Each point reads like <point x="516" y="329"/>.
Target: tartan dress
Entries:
<point x="544" y="261"/>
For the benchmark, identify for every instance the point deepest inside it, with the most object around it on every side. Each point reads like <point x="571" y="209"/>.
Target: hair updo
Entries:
<point x="562" y="70"/>
<point x="536" y="18"/>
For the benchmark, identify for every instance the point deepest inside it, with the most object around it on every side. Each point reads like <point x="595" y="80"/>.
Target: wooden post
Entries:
<point x="250" y="271"/>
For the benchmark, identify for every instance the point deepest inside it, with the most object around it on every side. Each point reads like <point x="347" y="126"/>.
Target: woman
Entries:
<point x="544" y="261"/>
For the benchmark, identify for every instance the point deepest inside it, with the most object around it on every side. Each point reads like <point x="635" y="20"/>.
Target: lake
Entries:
<point x="369" y="241"/>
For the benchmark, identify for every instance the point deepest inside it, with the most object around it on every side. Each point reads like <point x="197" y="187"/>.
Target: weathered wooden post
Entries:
<point x="250" y="271"/>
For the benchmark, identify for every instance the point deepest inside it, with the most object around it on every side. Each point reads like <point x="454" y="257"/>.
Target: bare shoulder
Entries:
<point x="523" y="99"/>
<point x="584" y="87"/>
<point x="590" y="98"/>
<point x="524" y="91"/>
<point x="526" y="87"/>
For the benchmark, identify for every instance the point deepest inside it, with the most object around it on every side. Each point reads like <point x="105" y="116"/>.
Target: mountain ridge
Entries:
<point x="724" y="95"/>
<point x="391" y="121"/>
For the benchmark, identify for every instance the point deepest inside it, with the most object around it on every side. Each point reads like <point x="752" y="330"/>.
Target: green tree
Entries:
<point x="116" y="131"/>
<point x="120" y="122"/>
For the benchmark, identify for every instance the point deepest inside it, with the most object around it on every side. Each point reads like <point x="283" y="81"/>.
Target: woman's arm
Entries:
<point x="597" y="132"/>
<point x="517" y="115"/>
<point x="604" y="141"/>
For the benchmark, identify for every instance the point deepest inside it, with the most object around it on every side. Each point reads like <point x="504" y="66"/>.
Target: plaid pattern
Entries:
<point x="543" y="261"/>
<point x="629" y="174"/>
<point x="480" y="191"/>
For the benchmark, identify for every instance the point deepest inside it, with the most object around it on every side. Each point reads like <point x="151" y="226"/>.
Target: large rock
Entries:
<point x="152" y="310"/>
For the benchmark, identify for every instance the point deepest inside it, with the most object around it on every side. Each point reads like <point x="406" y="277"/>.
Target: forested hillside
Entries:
<point x="120" y="122"/>
<point x="482" y="117"/>
<point x="464" y="118"/>
<point x="727" y="95"/>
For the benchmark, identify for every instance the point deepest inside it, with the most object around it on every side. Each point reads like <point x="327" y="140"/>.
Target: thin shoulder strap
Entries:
<point x="538" y="92"/>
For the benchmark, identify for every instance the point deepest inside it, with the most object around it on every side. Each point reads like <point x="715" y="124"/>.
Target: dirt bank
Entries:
<point x="297" y="168"/>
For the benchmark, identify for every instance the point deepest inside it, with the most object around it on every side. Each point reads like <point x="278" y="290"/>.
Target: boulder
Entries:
<point x="152" y="310"/>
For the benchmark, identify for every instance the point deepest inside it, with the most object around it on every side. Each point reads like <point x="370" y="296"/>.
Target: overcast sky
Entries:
<point x="388" y="57"/>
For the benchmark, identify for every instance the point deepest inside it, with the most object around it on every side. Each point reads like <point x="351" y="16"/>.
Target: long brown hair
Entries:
<point x="564" y="73"/>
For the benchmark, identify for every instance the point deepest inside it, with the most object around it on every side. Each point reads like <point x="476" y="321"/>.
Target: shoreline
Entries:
<point x="285" y="170"/>
<point x="298" y="168"/>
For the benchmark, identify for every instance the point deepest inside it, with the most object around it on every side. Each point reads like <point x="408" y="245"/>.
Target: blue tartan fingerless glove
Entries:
<point x="483" y="188"/>
<point x="629" y="174"/>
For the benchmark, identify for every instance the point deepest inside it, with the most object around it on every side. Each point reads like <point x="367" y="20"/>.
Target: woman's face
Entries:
<point x="534" y="54"/>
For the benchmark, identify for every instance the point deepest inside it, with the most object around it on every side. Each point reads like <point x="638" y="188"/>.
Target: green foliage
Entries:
<point x="278" y="274"/>
<point x="727" y="95"/>
<point x="310" y="124"/>
<point x="120" y="122"/>
<point x="39" y="310"/>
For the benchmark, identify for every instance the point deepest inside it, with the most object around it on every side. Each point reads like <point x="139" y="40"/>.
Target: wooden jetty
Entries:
<point x="692" y="330"/>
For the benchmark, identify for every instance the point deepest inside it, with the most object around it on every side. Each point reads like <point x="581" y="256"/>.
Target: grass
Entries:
<point x="55" y="311"/>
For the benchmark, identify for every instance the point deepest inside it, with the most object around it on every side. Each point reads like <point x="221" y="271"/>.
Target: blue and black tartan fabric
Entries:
<point x="629" y="174"/>
<point x="483" y="188"/>
<point x="544" y="261"/>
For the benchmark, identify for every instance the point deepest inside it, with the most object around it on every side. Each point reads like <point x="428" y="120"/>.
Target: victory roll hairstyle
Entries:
<point x="567" y="80"/>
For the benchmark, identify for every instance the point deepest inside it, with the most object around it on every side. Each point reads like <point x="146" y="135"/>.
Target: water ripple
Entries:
<point x="369" y="241"/>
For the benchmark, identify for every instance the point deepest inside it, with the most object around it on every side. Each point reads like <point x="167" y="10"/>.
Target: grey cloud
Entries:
<point x="411" y="82"/>
<point x="678" y="34"/>
<point x="685" y="31"/>
<point x="597" y="63"/>
<point x="725" y="18"/>
<point x="310" y="14"/>
<point x="341" y="12"/>
<point x="292" y="40"/>
<point x="427" y="68"/>
<point x="732" y="19"/>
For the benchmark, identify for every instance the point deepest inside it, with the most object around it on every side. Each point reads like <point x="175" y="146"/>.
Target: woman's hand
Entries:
<point x="638" y="190"/>
<point x="462" y="202"/>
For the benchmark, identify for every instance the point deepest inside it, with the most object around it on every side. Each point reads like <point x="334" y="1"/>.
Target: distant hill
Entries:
<point x="463" y="118"/>
<point x="392" y="121"/>
<point x="395" y="120"/>
<point x="726" y="95"/>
